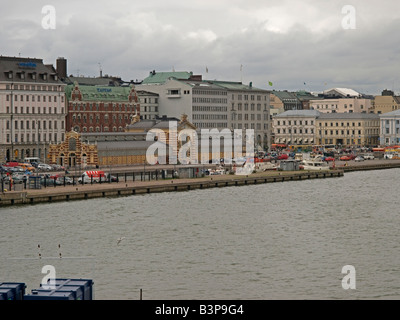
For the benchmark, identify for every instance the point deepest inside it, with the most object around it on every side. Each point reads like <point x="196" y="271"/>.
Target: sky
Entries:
<point x="311" y="45"/>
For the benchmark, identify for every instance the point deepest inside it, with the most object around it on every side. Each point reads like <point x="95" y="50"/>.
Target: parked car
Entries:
<point x="345" y="158"/>
<point x="68" y="180"/>
<point x="369" y="156"/>
<point x="47" y="181"/>
<point x="283" y="156"/>
<point x="359" y="158"/>
<point x="44" y="167"/>
<point x="27" y="166"/>
<point x="329" y="159"/>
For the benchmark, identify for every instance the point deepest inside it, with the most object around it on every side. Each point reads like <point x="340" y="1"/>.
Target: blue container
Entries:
<point x="18" y="289"/>
<point x="85" y="284"/>
<point x="77" y="290"/>
<point x="50" y="295"/>
<point x="7" y="294"/>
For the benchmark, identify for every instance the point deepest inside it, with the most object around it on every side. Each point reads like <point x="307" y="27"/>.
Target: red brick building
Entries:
<point x="100" y="108"/>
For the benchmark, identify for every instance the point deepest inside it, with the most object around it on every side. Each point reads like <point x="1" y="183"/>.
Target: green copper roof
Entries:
<point x="161" y="77"/>
<point x="230" y="85"/>
<point x="100" y="93"/>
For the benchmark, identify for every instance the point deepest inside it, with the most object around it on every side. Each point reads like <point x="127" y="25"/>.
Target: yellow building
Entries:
<point x="73" y="152"/>
<point x="145" y="141"/>
<point x="347" y="129"/>
<point x="387" y="102"/>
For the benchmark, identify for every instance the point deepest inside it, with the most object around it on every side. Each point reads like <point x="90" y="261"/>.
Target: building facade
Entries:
<point x="389" y="128"/>
<point x="386" y="102"/>
<point x="348" y="129"/>
<point x="295" y="127"/>
<point x="74" y="152"/>
<point x="212" y="104"/>
<point x="311" y="127"/>
<point x="100" y="108"/>
<point x="148" y="104"/>
<point x="32" y="108"/>
<point x="342" y="105"/>
<point x="285" y="100"/>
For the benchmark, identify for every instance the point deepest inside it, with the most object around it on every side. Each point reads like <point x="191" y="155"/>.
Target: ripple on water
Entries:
<point x="285" y="240"/>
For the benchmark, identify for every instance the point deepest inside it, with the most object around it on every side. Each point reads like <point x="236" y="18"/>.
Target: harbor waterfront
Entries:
<point x="132" y="187"/>
<point x="286" y="240"/>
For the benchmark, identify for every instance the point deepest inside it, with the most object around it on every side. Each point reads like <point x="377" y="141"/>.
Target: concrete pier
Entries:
<point x="81" y="192"/>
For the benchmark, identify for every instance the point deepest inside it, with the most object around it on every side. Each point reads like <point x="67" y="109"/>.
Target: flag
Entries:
<point x="270" y="83"/>
<point x="206" y="70"/>
<point x="304" y="83"/>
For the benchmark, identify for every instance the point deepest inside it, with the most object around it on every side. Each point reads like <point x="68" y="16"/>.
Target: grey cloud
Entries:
<point x="131" y="38"/>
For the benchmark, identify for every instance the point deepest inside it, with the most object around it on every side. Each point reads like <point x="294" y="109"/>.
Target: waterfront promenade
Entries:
<point x="86" y="191"/>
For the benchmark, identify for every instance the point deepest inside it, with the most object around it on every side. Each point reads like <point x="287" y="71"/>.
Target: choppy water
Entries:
<point x="285" y="240"/>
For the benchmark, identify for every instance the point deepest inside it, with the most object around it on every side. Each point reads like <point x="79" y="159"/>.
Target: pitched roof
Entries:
<point x="27" y="66"/>
<point x="344" y="92"/>
<point x="298" y="113"/>
<point x="161" y="77"/>
<point x="96" y="81"/>
<point x="390" y="114"/>
<point x="348" y="115"/>
<point x="231" y="85"/>
<point x="100" y="93"/>
<point x="285" y="95"/>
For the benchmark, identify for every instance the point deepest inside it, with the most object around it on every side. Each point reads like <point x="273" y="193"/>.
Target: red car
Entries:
<point x="329" y="159"/>
<point x="283" y="156"/>
<point x="346" y="158"/>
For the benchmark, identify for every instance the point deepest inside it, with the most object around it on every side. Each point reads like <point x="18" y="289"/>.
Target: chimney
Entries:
<point x="61" y="67"/>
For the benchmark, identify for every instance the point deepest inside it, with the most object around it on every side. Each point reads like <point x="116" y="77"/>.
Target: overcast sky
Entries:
<point x="310" y="44"/>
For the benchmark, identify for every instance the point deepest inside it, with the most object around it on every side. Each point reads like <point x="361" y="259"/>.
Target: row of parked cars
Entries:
<point x="361" y="157"/>
<point x="15" y="166"/>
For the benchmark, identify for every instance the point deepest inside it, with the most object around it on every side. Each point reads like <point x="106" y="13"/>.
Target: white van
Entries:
<point x="95" y="176"/>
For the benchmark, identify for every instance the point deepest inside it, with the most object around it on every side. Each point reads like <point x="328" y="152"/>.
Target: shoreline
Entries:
<point x="87" y="191"/>
<point x="81" y="192"/>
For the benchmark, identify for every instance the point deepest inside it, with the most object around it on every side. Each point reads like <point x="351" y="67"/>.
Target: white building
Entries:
<point x="148" y="104"/>
<point x="295" y="127"/>
<point x="389" y="128"/>
<point x="32" y="108"/>
<point x="211" y="104"/>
